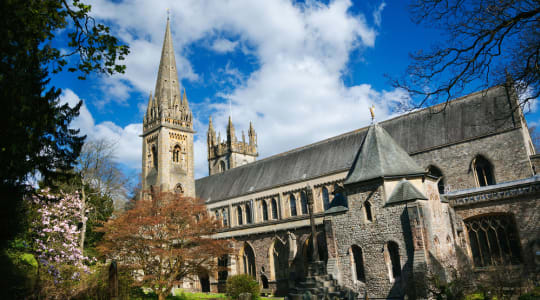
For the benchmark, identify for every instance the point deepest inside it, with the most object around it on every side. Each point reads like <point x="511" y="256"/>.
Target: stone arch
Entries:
<point x="392" y="258"/>
<point x="436" y="172"/>
<point x="264" y="210"/>
<point x="357" y="263"/>
<point x="493" y="239"/>
<point x="278" y="258"/>
<point x="483" y="170"/>
<point x="222" y="166"/>
<point x="247" y="260"/>
<point x="176" y="153"/>
<point x="154" y="156"/>
<point x="325" y="198"/>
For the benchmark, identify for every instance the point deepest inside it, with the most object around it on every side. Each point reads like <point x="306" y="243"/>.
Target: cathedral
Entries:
<point x="392" y="204"/>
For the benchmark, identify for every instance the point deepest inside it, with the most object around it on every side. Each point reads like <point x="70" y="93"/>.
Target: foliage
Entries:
<point x="243" y="283"/>
<point x="487" y="43"/>
<point x="55" y="243"/>
<point x="164" y="239"/>
<point x="533" y="295"/>
<point x="40" y="37"/>
<point x="95" y="285"/>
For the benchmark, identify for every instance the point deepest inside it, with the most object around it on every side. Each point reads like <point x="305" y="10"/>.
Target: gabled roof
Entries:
<point x="475" y="115"/>
<point x="405" y="191"/>
<point x="380" y="156"/>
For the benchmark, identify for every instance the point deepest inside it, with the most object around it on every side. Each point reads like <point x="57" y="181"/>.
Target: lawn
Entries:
<point x="181" y="295"/>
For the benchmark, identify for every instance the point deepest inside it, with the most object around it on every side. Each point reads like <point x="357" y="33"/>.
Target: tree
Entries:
<point x="100" y="178"/>
<point x="164" y="240"/>
<point x="55" y="243"/>
<point x="487" y="43"/>
<point x="35" y="138"/>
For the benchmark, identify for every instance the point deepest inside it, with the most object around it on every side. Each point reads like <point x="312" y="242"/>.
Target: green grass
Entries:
<point x="182" y="295"/>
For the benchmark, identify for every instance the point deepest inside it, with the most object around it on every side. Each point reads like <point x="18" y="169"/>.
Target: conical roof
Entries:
<point x="405" y="191"/>
<point x="380" y="156"/>
<point x="167" y="86"/>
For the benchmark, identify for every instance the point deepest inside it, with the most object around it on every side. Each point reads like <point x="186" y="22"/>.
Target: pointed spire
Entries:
<point x="211" y="136"/>
<point x="184" y="100"/>
<point x="252" y="135"/>
<point x="149" y="108"/>
<point x="231" y="136"/>
<point x="167" y="87"/>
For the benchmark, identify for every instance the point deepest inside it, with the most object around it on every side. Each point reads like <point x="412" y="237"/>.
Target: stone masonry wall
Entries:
<point x="389" y="224"/>
<point x="506" y="151"/>
<point x="526" y="212"/>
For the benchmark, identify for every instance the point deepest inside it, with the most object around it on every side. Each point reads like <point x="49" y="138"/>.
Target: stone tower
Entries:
<point x="231" y="153"/>
<point x="167" y="156"/>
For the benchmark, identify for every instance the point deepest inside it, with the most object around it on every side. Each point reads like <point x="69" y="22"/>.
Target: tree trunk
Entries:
<point x="162" y="296"/>
<point x="83" y="215"/>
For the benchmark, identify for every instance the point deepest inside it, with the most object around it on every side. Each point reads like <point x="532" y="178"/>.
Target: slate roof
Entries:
<point x="466" y="118"/>
<point x="405" y="191"/>
<point x="381" y="156"/>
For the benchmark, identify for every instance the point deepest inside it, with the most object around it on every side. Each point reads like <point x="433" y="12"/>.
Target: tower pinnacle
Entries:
<point x="167" y="86"/>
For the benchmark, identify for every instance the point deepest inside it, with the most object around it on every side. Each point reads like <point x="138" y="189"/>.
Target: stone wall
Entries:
<point x="506" y="152"/>
<point x="389" y="223"/>
<point x="521" y="200"/>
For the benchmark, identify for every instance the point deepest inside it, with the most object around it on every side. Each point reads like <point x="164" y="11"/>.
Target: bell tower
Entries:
<point x="231" y="153"/>
<point x="167" y="150"/>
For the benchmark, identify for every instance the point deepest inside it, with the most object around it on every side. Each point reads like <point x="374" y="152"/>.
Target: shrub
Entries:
<point x="239" y="284"/>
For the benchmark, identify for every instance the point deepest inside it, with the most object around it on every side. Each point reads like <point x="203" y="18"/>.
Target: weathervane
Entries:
<point x="372" y="111"/>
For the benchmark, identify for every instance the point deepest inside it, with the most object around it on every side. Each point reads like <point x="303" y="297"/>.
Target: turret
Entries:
<point x="232" y="153"/>
<point x="252" y="135"/>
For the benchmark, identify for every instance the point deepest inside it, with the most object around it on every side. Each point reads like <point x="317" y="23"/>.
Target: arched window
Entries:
<point x="178" y="189"/>
<point x="493" y="240"/>
<point x="217" y="214"/>
<point x="325" y="198"/>
<point x="223" y="263"/>
<point x="303" y="202"/>
<point x="393" y="260"/>
<point x="339" y="197"/>
<point x="264" y="211"/>
<point x="248" y="260"/>
<point x="367" y="210"/>
<point x="239" y="213"/>
<point x="222" y="166"/>
<point x="249" y="215"/>
<point x="292" y="203"/>
<point x="274" y="209"/>
<point x="154" y="156"/>
<point x="357" y="263"/>
<point x="483" y="171"/>
<point x="436" y="172"/>
<point x="176" y="154"/>
<point x="225" y="217"/>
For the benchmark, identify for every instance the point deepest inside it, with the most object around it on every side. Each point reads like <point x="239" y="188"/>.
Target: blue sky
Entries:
<point x="301" y="71"/>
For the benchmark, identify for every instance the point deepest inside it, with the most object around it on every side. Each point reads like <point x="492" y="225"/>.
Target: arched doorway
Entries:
<point x="204" y="280"/>
<point x="223" y="273"/>
<point x="278" y="255"/>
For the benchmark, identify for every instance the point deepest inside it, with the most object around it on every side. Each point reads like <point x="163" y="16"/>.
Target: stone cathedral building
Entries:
<point x="393" y="202"/>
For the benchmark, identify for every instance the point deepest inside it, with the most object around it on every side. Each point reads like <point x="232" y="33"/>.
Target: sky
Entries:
<point x="300" y="71"/>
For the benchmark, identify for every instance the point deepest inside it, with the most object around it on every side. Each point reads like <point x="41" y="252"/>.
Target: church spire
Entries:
<point x="231" y="136"/>
<point x="167" y="86"/>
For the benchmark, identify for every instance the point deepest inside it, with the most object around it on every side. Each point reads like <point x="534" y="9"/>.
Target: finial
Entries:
<point x="168" y="14"/>
<point x="372" y="111"/>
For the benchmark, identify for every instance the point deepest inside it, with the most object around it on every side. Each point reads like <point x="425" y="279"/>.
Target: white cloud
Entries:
<point x="377" y="14"/>
<point x="296" y="96"/>
<point x="127" y="140"/>
<point x="224" y="45"/>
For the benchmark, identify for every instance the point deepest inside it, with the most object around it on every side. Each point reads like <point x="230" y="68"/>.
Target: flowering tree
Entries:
<point x="164" y="240"/>
<point x="56" y="241"/>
